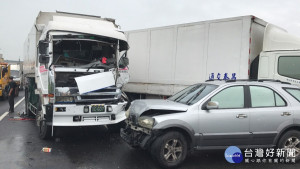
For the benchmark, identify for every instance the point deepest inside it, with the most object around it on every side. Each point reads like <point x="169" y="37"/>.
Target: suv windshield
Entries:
<point x="192" y="94"/>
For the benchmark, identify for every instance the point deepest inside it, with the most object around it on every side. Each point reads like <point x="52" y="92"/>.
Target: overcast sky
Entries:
<point x="17" y="16"/>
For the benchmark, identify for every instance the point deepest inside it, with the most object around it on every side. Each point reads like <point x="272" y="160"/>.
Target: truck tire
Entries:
<point x="45" y="130"/>
<point x="170" y="149"/>
<point x="290" y="139"/>
<point x="27" y="111"/>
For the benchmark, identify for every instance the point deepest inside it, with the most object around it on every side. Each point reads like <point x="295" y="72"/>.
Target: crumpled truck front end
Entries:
<point x="72" y="107"/>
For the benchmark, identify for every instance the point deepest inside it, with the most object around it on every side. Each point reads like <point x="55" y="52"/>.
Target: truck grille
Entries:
<point x="97" y="97"/>
<point x="109" y="94"/>
<point x="100" y="96"/>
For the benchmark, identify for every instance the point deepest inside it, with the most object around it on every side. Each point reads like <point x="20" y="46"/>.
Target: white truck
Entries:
<point x="72" y="65"/>
<point x="166" y="59"/>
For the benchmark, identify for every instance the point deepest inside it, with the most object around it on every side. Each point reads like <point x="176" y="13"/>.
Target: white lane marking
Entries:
<point x="6" y="113"/>
<point x="19" y="102"/>
<point x="3" y="115"/>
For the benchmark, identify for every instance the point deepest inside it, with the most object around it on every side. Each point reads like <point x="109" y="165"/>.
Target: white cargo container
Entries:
<point x="63" y="49"/>
<point x="164" y="60"/>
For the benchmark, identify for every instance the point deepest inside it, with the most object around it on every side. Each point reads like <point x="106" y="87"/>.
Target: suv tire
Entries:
<point x="170" y="149"/>
<point x="291" y="139"/>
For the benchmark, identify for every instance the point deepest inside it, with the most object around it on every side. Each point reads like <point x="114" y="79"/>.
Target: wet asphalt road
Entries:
<point x="88" y="148"/>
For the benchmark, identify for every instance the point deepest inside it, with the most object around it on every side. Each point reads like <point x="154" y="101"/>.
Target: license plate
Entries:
<point x="97" y="108"/>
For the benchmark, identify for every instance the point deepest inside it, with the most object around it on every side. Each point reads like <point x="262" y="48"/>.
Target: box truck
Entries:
<point x="166" y="59"/>
<point x="73" y="64"/>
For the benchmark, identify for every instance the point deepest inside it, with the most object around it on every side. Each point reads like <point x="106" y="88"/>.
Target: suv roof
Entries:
<point x="271" y="82"/>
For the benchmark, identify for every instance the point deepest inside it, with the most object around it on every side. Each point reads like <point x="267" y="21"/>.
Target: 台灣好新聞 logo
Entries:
<point x="233" y="154"/>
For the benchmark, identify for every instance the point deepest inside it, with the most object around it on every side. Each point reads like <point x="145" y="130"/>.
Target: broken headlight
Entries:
<point x="64" y="99"/>
<point x="146" y="122"/>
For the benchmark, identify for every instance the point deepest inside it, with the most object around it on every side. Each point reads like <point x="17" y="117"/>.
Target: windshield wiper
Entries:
<point x="188" y="102"/>
<point x="91" y="66"/>
<point x="178" y="99"/>
<point x="96" y="64"/>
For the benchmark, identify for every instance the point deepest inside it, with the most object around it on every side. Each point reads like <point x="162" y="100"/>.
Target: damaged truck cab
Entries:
<point x="75" y="67"/>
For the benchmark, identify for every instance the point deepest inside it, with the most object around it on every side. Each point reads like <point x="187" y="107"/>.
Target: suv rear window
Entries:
<point x="294" y="92"/>
<point x="265" y="97"/>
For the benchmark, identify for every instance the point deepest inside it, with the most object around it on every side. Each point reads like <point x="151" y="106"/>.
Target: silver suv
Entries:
<point x="215" y="115"/>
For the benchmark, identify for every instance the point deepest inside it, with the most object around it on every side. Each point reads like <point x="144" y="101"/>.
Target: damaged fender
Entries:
<point x="138" y="107"/>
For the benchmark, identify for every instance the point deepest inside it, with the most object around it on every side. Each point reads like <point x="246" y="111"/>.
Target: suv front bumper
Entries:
<point x="138" y="137"/>
<point x="135" y="137"/>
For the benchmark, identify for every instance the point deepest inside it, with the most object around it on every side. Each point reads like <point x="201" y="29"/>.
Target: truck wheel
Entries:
<point x="170" y="149"/>
<point x="27" y="111"/>
<point x="291" y="140"/>
<point x="44" y="130"/>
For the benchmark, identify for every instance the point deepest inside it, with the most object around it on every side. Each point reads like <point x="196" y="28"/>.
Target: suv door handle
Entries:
<point x="241" y="116"/>
<point x="286" y="114"/>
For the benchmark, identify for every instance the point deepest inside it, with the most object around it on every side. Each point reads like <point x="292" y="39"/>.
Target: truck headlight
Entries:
<point x="146" y="122"/>
<point x="64" y="99"/>
<point x="127" y="113"/>
<point x="86" y="109"/>
<point x="109" y="109"/>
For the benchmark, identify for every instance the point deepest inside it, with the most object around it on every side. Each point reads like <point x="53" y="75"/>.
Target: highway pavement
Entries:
<point x="88" y="148"/>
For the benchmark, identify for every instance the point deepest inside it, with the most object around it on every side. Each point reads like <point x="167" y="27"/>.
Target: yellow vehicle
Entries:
<point x="4" y="75"/>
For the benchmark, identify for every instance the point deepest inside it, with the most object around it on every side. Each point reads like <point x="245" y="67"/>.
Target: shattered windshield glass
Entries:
<point x="83" y="53"/>
<point x="193" y="94"/>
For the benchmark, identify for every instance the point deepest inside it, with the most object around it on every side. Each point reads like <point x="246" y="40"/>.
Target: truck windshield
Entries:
<point x="14" y="73"/>
<point x="83" y="53"/>
<point x="192" y="94"/>
<point x="288" y="66"/>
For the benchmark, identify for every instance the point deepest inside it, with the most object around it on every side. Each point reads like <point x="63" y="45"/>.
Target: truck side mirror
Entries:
<point x="44" y="58"/>
<point x="124" y="61"/>
<point x="212" y="105"/>
<point x="43" y="45"/>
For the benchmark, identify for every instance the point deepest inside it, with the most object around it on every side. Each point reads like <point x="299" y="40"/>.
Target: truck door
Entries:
<point x="287" y="67"/>
<point x="42" y="66"/>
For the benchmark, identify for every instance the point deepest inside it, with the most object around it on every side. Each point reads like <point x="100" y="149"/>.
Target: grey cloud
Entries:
<point x="17" y="16"/>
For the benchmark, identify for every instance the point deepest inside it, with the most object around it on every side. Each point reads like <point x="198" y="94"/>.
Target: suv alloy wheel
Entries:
<point x="170" y="149"/>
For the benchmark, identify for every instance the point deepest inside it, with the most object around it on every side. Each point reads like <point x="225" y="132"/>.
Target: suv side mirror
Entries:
<point x="212" y="105"/>
<point x="44" y="58"/>
<point x="124" y="61"/>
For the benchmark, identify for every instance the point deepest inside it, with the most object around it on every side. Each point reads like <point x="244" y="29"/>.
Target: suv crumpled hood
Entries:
<point x="138" y="107"/>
